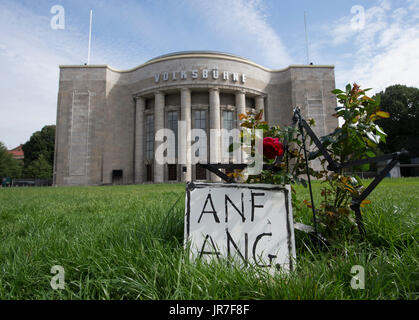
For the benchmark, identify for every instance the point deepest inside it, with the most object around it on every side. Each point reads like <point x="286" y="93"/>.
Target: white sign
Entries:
<point x="252" y="223"/>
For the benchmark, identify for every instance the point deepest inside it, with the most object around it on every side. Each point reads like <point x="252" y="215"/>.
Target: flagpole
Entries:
<point x="305" y="29"/>
<point x="90" y="38"/>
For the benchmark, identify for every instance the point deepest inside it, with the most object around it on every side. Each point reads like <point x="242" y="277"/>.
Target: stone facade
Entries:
<point x="106" y="118"/>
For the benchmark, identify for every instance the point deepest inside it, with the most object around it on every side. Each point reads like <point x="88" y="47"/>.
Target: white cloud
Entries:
<point x="385" y="52"/>
<point x="30" y="55"/>
<point x="244" y="26"/>
<point x="29" y="64"/>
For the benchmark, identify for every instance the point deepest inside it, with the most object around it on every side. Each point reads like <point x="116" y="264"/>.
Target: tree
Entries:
<point x="39" y="153"/>
<point x="9" y="167"/>
<point x="41" y="142"/>
<point x="40" y="168"/>
<point x="402" y="128"/>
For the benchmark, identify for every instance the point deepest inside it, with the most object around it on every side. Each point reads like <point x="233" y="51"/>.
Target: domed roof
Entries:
<point x="196" y="53"/>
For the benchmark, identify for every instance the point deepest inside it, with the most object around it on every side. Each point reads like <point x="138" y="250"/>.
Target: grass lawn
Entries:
<point x="120" y="243"/>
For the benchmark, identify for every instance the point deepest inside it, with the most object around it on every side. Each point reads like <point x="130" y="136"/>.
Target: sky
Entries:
<point x="374" y="43"/>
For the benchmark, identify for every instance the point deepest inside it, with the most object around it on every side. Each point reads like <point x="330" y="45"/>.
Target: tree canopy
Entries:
<point x="41" y="142"/>
<point x="39" y="154"/>
<point x="9" y="167"/>
<point x="39" y="168"/>
<point x="402" y="127"/>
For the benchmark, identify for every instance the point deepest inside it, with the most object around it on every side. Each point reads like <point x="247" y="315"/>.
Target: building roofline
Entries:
<point x="196" y="54"/>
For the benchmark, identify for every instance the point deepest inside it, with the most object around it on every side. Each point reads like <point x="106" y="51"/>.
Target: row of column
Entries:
<point x="185" y="116"/>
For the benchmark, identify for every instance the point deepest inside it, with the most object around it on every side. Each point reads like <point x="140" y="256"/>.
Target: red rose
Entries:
<point x="272" y="148"/>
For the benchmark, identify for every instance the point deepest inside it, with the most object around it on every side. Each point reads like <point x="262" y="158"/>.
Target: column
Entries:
<point x="139" y="140"/>
<point x="185" y="143"/>
<point x="241" y="109"/>
<point x="240" y="102"/>
<point x="215" y="123"/>
<point x="158" y="124"/>
<point x="260" y="105"/>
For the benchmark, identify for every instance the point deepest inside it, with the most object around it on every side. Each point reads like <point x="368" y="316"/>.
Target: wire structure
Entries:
<point x="334" y="166"/>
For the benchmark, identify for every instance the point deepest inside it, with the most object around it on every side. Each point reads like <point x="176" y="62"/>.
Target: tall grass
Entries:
<point x="124" y="242"/>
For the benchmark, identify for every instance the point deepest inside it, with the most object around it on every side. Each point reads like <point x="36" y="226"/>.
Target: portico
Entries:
<point x="198" y="108"/>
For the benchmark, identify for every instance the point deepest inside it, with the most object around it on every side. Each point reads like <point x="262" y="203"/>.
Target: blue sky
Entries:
<point x="377" y="51"/>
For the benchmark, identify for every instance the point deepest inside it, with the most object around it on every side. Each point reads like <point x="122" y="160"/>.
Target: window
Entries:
<point x="148" y="104"/>
<point x="228" y="120"/>
<point x="172" y="172"/>
<point x="201" y="173"/>
<point x="201" y="123"/>
<point x="149" y="143"/>
<point x="149" y="172"/>
<point x="172" y="118"/>
<point x="200" y="119"/>
<point x="228" y="124"/>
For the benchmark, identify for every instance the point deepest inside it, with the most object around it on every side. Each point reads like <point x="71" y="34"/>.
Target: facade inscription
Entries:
<point x="200" y="74"/>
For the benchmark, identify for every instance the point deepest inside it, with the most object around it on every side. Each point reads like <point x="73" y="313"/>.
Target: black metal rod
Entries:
<point x="377" y="180"/>
<point x="334" y="166"/>
<point x="309" y="179"/>
<point x="359" y="221"/>
<point x="356" y="202"/>
<point x="395" y="155"/>
<point x="219" y="173"/>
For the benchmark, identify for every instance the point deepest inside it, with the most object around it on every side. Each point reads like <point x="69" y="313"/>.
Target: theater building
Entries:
<point x="107" y="118"/>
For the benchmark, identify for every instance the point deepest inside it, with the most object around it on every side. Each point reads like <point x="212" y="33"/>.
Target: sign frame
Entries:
<point x="290" y="238"/>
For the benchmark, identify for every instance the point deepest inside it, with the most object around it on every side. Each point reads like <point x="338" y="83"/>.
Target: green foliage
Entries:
<point x="402" y="103"/>
<point x="359" y="135"/>
<point x="39" y="154"/>
<point x="292" y="163"/>
<point x="39" y="168"/>
<point x="356" y="139"/>
<point x="9" y="167"/>
<point x="41" y="143"/>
